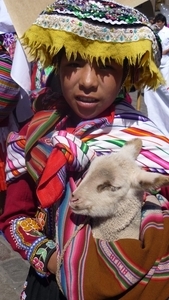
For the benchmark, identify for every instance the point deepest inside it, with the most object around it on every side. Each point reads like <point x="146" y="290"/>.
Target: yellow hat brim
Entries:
<point x="137" y="52"/>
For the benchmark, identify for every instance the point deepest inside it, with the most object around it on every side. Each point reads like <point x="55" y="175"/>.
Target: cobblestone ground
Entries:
<point x="13" y="270"/>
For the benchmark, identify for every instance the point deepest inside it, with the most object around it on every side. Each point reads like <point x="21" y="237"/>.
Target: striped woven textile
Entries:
<point x="60" y="151"/>
<point x="127" y="269"/>
<point x="9" y="90"/>
<point x="9" y="96"/>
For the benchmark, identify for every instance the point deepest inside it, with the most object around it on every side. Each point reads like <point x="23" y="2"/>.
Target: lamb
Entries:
<point x="112" y="191"/>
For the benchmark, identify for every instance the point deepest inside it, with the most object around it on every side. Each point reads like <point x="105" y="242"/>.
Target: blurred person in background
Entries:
<point x="9" y="96"/>
<point x="157" y="102"/>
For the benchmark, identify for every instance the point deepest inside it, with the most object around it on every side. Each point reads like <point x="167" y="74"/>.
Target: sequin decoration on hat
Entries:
<point x="97" y="30"/>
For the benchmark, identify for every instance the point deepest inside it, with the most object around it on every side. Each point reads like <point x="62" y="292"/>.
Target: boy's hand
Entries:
<point x="52" y="263"/>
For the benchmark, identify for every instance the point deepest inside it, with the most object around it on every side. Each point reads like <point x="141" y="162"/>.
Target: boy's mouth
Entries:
<point x="87" y="99"/>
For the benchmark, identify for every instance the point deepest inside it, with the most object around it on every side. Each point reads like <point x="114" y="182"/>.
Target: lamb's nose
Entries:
<point x="73" y="199"/>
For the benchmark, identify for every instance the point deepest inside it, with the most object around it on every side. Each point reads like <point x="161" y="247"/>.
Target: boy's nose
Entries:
<point x="88" y="77"/>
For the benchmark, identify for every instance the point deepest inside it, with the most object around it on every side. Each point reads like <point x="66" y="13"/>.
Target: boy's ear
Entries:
<point x="148" y="180"/>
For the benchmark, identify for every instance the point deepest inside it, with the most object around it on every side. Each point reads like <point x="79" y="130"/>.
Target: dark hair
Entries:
<point x="160" y="17"/>
<point x="57" y="58"/>
<point x="2" y="48"/>
<point x="151" y="19"/>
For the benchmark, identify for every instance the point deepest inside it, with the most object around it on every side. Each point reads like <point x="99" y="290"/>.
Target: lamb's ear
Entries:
<point x="148" y="180"/>
<point x="132" y="148"/>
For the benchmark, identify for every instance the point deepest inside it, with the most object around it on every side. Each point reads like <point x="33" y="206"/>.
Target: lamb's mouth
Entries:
<point x="77" y="209"/>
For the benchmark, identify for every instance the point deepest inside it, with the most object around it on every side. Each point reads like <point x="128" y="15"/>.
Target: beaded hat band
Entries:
<point x="101" y="30"/>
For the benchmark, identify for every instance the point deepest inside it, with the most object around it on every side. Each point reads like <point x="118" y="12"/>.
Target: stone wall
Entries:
<point x="153" y="3"/>
<point x="148" y="7"/>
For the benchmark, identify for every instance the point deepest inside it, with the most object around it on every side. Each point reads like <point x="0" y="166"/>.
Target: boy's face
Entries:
<point x="160" y="24"/>
<point x="89" y="89"/>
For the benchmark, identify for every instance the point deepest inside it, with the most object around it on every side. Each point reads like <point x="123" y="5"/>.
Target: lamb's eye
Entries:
<point x="115" y="188"/>
<point x="104" y="186"/>
<point x="107" y="186"/>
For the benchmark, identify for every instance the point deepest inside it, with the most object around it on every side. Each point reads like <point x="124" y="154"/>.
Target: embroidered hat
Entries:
<point x="101" y="30"/>
<point x="22" y="21"/>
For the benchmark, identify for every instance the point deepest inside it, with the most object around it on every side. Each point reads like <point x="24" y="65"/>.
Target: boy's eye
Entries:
<point x="106" y="66"/>
<point x="75" y="63"/>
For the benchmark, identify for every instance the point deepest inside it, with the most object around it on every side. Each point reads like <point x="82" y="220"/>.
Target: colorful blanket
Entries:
<point x="94" y="269"/>
<point x="67" y="148"/>
<point x="126" y="269"/>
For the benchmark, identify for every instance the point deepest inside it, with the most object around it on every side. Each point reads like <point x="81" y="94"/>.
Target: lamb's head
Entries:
<point x="112" y="178"/>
